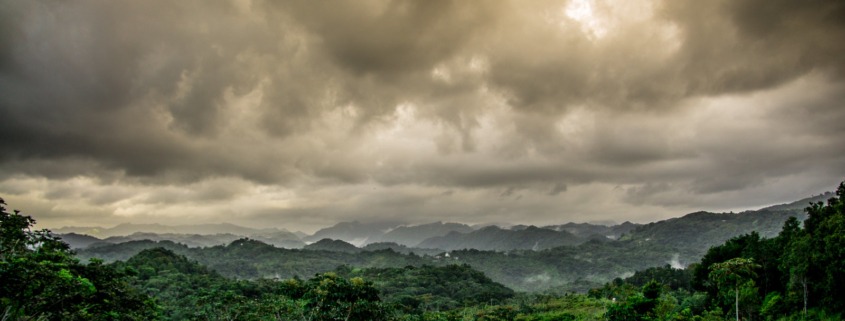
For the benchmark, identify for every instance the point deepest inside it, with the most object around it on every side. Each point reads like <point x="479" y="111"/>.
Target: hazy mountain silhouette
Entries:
<point x="131" y="228"/>
<point x="332" y="245"/>
<point x="498" y="239"/>
<point x="413" y="235"/>
<point x="586" y="230"/>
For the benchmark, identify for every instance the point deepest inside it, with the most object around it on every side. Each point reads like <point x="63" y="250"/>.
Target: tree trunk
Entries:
<point x="736" y="291"/>
<point x="349" y="314"/>
<point x="804" y="283"/>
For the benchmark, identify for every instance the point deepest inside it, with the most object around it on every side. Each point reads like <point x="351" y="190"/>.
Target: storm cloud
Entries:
<point x="301" y="114"/>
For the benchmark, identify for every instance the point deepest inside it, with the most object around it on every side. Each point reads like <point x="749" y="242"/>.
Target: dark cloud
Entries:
<point x="557" y="189"/>
<point x="392" y="109"/>
<point x="394" y="38"/>
<point x="740" y="46"/>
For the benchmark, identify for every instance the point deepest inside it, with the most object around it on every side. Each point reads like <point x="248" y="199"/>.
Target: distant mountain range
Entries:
<point x="414" y="235"/>
<point x="203" y="235"/>
<point x="354" y="232"/>
<point x="493" y="238"/>
<point x="557" y="258"/>
<point x="691" y="234"/>
<point x="587" y="230"/>
<point x="453" y="236"/>
<point x="201" y="229"/>
<point x="438" y="235"/>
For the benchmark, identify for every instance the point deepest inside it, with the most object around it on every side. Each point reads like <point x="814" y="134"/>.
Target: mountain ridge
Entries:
<point x="685" y="230"/>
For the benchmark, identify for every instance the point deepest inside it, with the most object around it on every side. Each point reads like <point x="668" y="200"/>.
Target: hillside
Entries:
<point x="525" y="259"/>
<point x="354" y="232"/>
<point x="179" y="283"/>
<point x="438" y="287"/>
<point x="692" y="234"/>
<point x="589" y="264"/>
<point x="361" y="234"/>
<point x="586" y="230"/>
<point x="202" y="229"/>
<point x="413" y="235"/>
<point x="494" y="238"/>
<point x="332" y="246"/>
<point x="242" y="280"/>
<point x="78" y="241"/>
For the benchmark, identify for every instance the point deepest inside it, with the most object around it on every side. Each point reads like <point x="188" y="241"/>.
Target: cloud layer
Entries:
<point x="299" y="114"/>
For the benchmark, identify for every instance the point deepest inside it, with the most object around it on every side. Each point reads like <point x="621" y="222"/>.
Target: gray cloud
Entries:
<point x="274" y="111"/>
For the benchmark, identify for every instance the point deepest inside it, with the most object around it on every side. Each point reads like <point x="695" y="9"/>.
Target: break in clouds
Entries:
<point x="300" y="114"/>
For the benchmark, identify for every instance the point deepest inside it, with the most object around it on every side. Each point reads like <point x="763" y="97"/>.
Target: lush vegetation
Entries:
<point x="559" y="270"/>
<point x="795" y="275"/>
<point x="428" y="287"/>
<point x="42" y="280"/>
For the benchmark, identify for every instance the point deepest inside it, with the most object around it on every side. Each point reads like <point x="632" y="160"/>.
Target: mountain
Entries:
<point x="201" y="229"/>
<point x="494" y="238"/>
<point x="413" y="235"/>
<point x="587" y="265"/>
<point x="354" y="232"/>
<point x="191" y="240"/>
<point x="800" y="205"/>
<point x="694" y="233"/>
<point x="202" y="235"/>
<point x="78" y="241"/>
<point x="586" y="230"/>
<point x="590" y="263"/>
<point x="398" y="248"/>
<point x="380" y="246"/>
<point x="332" y="246"/>
<point x="278" y="239"/>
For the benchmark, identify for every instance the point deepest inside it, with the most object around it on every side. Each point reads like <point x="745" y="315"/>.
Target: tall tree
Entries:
<point x="825" y="229"/>
<point x="736" y="271"/>
<point x="795" y="263"/>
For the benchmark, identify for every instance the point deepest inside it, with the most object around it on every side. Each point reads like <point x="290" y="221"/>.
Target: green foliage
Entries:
<point x="640" y="306"/>
<point x="331" y="297"/>
<point x="674" y="279"/>
<point x="825" y="230"/>
<point x="557" y="270"/>
<point x="43" y="281"/>
<point x="772" y="306"/>
<point x="796" y="275"/>
<point x="798" y="271"/>
<point x="433" y="288"/>
<point x="759" y="278"/>
<point x="332" y="246"/>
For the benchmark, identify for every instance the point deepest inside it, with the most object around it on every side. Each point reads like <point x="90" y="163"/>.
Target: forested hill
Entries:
<point x="680" y="241"/>
<point x="692" y="234"/>
<point x="182" y="285"/>
<point x="796" y="275"/>
<point x="494" y="238"/>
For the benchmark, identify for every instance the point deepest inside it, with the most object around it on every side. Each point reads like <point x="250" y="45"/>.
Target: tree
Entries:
<point x="42" y="280"/>
<point x="640" y="306"/>
<point x="795" y="263"/>
<point x="825" y="229"/>
<point x="737" y="271"/>
<point x="331" y="297"/>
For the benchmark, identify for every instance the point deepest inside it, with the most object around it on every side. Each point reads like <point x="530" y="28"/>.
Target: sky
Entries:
<point x="301" y="114"/>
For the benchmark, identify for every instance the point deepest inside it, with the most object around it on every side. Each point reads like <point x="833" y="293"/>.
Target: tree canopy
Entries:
<point x="42" y="280"/>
